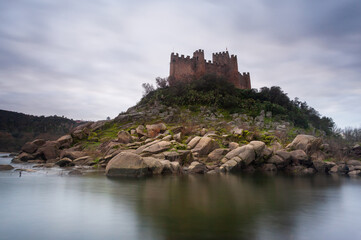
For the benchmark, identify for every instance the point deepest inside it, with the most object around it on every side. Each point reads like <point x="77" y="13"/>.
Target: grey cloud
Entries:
<point x="87" y="59"/>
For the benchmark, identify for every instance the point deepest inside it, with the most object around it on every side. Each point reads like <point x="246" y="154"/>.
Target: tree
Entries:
<point x="161" y="82"/>
<point x="148" y="88"/>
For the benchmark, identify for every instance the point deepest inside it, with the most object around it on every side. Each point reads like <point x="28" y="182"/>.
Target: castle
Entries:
<point x="184" y="69"/>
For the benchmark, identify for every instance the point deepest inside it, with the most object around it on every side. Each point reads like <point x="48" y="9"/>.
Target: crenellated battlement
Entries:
<point x="185" y="68"/>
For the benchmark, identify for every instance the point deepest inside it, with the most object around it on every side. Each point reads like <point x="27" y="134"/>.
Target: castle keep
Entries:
<point x="184" y="69"/>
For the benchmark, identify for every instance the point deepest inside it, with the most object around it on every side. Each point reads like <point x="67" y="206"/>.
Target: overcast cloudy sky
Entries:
<point x="88" y="59"/>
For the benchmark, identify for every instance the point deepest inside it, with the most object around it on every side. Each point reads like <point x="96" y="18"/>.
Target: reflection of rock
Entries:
<point x="223" y="206"/>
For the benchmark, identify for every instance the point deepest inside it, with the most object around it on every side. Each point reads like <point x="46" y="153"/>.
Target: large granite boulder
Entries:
<point x="140" y="130"/>
<point x="277" y="161"/>
<point x="197" y="167"/>
<point x="193" y="142"/>
<point x="124" y="137"/>
<point x="300" y="157"/>
<point x="157" y="147"/>
<point x="154" y="129"/>
<point x="217" y="154"/>
<point x="31" y="147"/>
<point x="71" y="154"/>
<point x="50" y="150"/>
<point x="154" y="165"/>
<point x="65" y="162"/>
<point x="171" y="167"/>
<point x="258" y="147"/>
<point x="247" y="154"/>
<point x="127" y="164"/>
<point x="230" y="166"/>
<point x="65" y="141"/>
<point x="307" y="143"/>
<point x="205" y="146"/>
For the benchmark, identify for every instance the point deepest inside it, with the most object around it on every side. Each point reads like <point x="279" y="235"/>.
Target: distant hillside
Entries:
<point x="18" y="128"/>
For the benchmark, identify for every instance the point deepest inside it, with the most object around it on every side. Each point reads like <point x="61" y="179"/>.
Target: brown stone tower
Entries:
<point x="185" y="69"/>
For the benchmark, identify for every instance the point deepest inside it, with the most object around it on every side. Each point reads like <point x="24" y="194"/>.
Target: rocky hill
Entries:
<point x="201" y="128"/>
<point x="17" y="128"/>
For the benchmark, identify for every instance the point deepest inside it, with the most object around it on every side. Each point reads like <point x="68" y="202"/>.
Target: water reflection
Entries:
<point x="229" y="206"/>
<point x="41" y="206"/>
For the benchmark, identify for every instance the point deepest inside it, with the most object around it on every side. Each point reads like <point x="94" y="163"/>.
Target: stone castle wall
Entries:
<point x="186" y="68"/>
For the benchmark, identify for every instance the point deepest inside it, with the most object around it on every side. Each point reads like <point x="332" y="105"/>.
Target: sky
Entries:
<point x="88" y="59"/>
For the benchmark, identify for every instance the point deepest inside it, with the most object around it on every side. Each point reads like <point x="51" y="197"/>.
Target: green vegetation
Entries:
<point x="17" y="128"/>
<point x="215" y="92"/>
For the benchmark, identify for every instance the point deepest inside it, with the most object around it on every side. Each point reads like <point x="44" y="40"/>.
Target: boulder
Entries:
<point x="177" y="137"/>
<point x="50" y="150"/>
<point x="170" y="167"/>
<point x="229" y="166"/>
<point x="300" y="157"/>
<point x="65" y="141"/>
<point x="29" y="147"/>
<point x="5" y="167"/>
<point x="284" y="155"/>
<point x="127" y="164"/>
<point x="237" y="131"/>
<point x="233" y="145"/>
<point x="140" y="130"/>
<point x="267" y="153"/>
<point x="197" y="167"/>
<point x="233" y="153"/>
<point x="276" y="160"/>
<point x="307" y="143"/>
<point x="124" y="137"/>
<point x="158" y="147"/>
<point x="320" y="166"/>
<point x="181" y="156"/>
<point x="39" y="142"/>
<point x="340" y="169"/>
<point x="275" y="146"/>
<point x="154" y="165"/>
<point x="205" y="146"/>
<point x="24" y="157"/>
<point x="318" y="155"/>
<point x="258" y="147"/>
<point x="67" y="153"/>
<point x="154" y="129"/>
<point x="192" y="143"/>
<point x="353" y="162"/>
<point x="217" y="154"/>
<point x="247" y="154"/>
<point x="86" y="160"/>
<point x="64" y="162"/>
<point x="141" y="148"/>
<point x="354" y="173"/>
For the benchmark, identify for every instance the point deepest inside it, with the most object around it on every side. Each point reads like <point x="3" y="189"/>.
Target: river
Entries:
<point x="48" y="204"/>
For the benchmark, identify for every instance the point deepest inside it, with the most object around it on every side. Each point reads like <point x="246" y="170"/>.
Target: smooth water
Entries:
<point x="51" y="205"/>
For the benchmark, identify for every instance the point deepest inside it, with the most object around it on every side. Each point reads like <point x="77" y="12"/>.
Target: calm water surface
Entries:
<point x="50" y="205"/>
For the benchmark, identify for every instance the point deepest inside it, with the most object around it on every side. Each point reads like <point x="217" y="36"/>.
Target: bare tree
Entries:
<point x="147" y="88"/>
<point x="161" y="82"/>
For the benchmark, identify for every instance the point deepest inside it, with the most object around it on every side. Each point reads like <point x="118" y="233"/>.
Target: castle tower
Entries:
<point x="199" y="63"/>
<point x="185" y="69"/>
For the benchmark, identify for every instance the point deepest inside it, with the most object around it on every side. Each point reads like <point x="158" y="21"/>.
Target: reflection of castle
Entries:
<point x="186" y="68"/>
